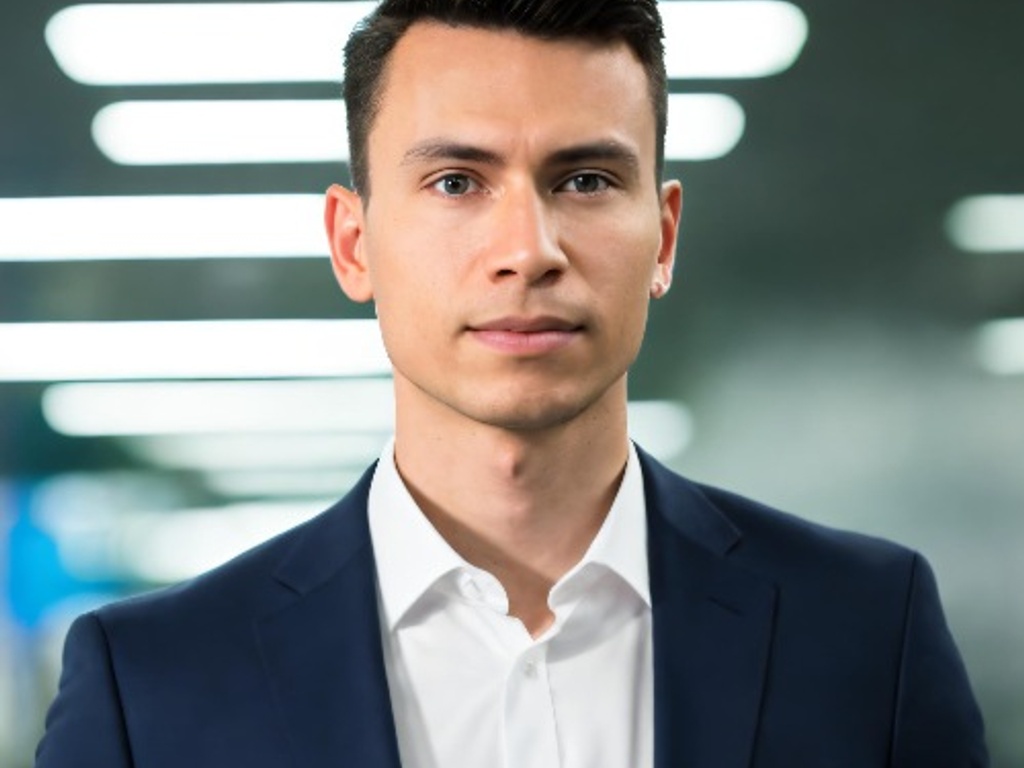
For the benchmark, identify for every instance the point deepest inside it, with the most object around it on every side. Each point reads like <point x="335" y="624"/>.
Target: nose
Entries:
<point x="524" y="239"/>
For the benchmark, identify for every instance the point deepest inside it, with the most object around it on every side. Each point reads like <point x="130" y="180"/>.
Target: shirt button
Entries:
<point x="471" y="589"/>
<point x="530" y="669"/>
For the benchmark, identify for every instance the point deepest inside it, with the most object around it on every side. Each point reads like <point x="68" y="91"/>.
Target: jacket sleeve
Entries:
<point x="938" y="723"/>
<point x="85" y="725"/>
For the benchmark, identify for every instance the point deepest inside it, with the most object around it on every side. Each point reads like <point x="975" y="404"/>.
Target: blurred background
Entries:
<point x="180" y="377"/>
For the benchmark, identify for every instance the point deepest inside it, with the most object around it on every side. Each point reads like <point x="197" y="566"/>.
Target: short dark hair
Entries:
<point x="635" y="22"/>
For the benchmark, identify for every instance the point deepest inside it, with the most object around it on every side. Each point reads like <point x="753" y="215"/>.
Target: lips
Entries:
<point x="526" y="335"/>
<point x="539" y="324"/>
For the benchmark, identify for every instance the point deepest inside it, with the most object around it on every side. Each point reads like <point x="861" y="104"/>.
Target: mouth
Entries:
<point x="517" y="324"/>
<point x="526" y="335"/>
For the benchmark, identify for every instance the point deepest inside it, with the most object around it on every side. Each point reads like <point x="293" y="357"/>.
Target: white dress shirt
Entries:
<point x="470" y="688"/>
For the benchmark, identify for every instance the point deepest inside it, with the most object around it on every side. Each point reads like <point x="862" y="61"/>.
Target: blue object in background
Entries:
<point x="36" y="578"/>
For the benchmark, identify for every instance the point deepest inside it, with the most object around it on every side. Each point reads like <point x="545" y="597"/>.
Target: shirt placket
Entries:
<point x="531" y="736"/>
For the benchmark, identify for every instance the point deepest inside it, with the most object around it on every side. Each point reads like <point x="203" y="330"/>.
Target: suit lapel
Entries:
<point x="322" y="649"/>
<point x="712" y="624"/>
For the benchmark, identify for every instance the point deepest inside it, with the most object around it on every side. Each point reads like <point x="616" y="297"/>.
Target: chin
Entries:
<point x="532" y="416"/>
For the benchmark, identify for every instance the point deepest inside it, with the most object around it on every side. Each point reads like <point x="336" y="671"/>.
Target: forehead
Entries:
<point x="500" y="86"/>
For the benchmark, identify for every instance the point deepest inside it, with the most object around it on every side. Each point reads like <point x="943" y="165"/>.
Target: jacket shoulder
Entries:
<point x="772" y="536"/>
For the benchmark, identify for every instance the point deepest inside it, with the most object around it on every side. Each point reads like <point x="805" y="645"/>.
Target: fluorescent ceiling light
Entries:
<point x="206" y="132"/>
<point x="988" y="223"/>
<point x="216" y="349"/>
<point x="259" y="452"/>
<point x="158" y="43"/>
<point x="295" y="484"/>
<point x="1000" y="346"/>
<point x="138" y="44"/>
<point x="105" y="526"/>
<point x="663" y="428"/>
<point x="731" y="39"/>
<point x="162" y="227"/>
<point x="701" y="127"/>
<point x="167" y="547"/>
<point x="188" y="407"/>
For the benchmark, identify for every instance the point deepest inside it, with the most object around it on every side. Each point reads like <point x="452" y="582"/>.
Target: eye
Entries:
<point x="454" y="184"/>
<point x="585" y="184"/>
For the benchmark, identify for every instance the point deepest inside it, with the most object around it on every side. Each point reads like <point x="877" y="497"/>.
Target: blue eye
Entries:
<point x="454" y="184"/>
<point x="585" y="184"/>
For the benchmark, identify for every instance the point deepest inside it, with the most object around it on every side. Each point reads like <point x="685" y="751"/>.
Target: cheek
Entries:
<point x="413" y="300"/>
<point x="623" y="255"/>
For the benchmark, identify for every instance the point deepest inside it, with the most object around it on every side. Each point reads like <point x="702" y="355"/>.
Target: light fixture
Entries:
<point x="209" y="453"/>
<point x="987" y="223"/>
<point x="299" y="483"/>
<point x="1000" y="346"/>
<point x="701" y="127"/>
<point x="162" y="227"/>
<point x="219" y="132"/>
<point x="190" y="407"/>
<point x="143" y="44"/>
<point x="173" y="43"/>
<point x="664" y="428"/>
<point x="163" y="548"/>
<point x="196" y="349"/>
<point x="736" y="39"/>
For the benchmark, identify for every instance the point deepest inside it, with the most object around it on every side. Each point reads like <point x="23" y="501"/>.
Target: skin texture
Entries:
<point x="514" y="238"/>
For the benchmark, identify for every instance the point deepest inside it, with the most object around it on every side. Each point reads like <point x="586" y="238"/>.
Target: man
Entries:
<point x="514" y="583"/>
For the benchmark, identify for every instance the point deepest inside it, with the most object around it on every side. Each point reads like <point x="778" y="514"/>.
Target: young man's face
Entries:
<point x="515" y="230"/>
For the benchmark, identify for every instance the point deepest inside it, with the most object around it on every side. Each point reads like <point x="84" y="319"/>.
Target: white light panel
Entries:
<point x="1000" y="346"/>
<point x="663" y="428"/>
<point x="187" y="407"/>
<point x="191" y="350"/>
<point x="701" y="127"/>
<point x="298" y="483"/>
<point x="170" y="43"/>
<point x="214" y="453"/>
<point x="164" y="548"/>
<point x="737" y="39"/>
<point x="162" y="227"/>
<point x="211" y="132"/>
<point x="138" y="44"/>
<point x="988" y="223"/>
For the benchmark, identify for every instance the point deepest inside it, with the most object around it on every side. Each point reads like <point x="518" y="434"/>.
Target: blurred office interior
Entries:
<point x="181" y="378"/>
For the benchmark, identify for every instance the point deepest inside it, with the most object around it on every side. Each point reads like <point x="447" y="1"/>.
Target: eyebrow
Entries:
<point x="441" y="149"/>
<point x="607" y="150"/>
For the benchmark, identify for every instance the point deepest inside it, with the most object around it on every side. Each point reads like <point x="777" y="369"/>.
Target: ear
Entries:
<point x="343" y="218"/>
<point x="671" y="211"/>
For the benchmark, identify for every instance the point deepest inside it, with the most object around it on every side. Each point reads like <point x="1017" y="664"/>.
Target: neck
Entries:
<point x="522" y="505"/>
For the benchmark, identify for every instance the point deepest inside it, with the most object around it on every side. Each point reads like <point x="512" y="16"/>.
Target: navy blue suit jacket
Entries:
<point x="777" y="643"/>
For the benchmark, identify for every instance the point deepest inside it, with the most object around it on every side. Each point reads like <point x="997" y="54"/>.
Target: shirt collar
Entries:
<point x="411" y="556"/>
<point x="621" y="542"/>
